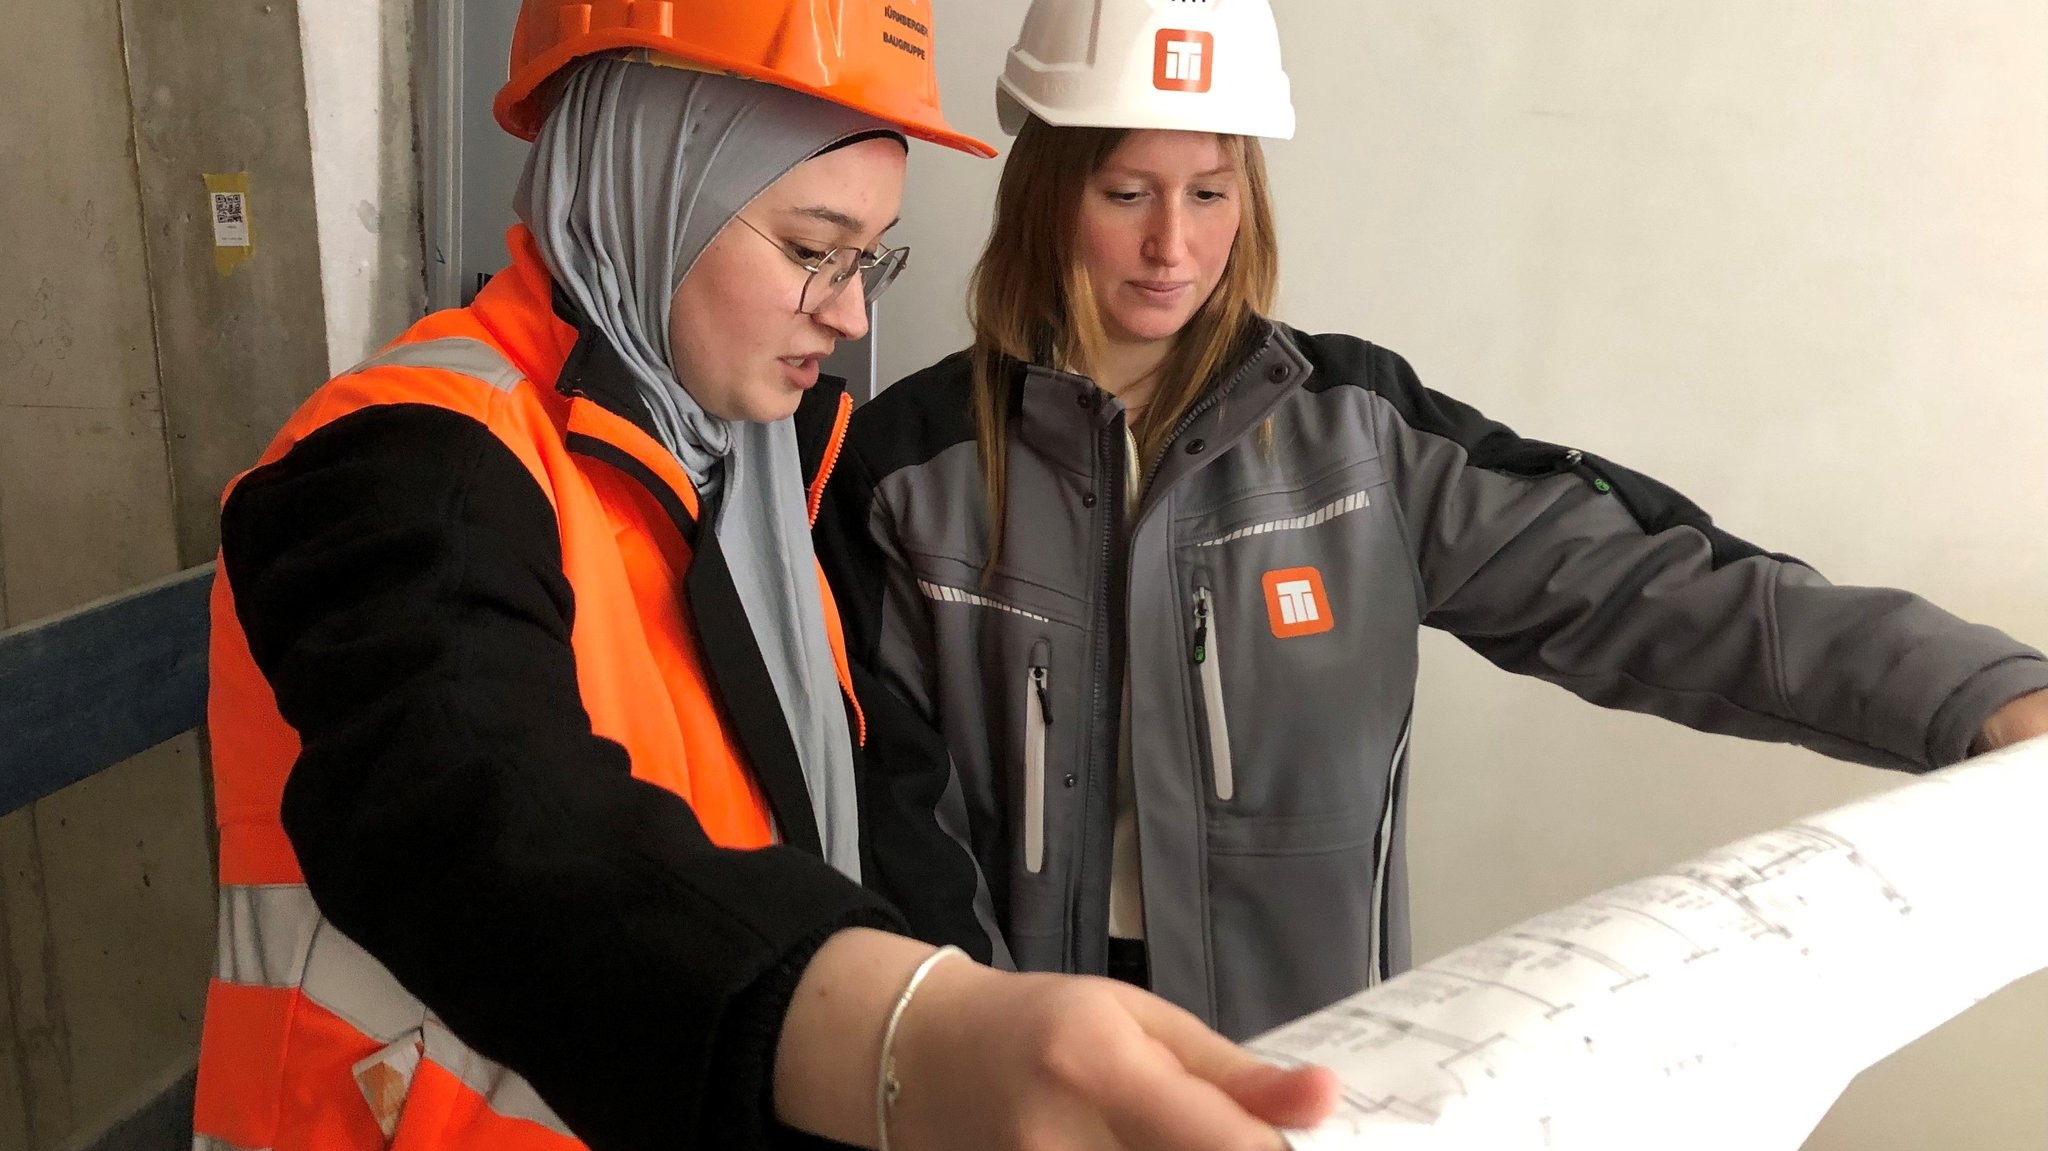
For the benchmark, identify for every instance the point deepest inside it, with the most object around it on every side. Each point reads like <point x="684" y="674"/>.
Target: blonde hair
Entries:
<point x="1031" y="301"/>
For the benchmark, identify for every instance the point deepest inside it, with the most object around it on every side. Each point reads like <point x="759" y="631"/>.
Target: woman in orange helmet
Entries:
<point x="534" y="732"/>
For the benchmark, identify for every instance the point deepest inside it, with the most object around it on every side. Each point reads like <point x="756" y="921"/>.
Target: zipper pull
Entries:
<point x="1039" y="677"/>
<point x="1575" y="461"/>
<point x="1201" y="625"/>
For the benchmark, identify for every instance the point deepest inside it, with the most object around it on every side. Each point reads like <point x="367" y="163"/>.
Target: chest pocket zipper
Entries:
<point x="1037" y="717"/>
<point x="1209" y="668"/>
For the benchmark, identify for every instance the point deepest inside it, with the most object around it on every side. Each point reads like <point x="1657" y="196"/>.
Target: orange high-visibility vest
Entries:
<point x="309" y="1042"/>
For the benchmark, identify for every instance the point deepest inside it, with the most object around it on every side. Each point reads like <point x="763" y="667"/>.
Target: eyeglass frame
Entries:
<point x="864" y="261"/>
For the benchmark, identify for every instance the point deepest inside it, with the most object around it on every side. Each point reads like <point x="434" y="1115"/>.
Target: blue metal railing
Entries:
<point x="82" y="691"/>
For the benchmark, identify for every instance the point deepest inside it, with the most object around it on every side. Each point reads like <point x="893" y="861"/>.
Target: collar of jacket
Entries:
<point x="1061" y="416"/>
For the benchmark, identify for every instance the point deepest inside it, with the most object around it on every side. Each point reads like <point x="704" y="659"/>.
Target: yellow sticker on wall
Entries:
<point x="227" y="203"/>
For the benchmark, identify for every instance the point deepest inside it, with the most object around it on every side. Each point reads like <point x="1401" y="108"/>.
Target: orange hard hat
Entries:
<point x="874" y="56"/>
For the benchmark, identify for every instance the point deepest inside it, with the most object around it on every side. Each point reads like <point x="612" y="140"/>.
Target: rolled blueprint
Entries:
<point x="1724" y="1003"/>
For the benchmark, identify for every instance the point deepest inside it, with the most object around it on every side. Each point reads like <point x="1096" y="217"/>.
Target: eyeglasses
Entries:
<point x="832" y="271"/>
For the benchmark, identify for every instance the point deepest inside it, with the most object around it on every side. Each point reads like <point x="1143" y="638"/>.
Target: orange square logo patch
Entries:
<point x="1182" y="60"/>
<point x="1296" y="604"/>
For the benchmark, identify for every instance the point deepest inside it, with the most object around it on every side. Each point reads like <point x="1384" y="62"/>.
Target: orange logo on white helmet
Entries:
<point x="1183" y="60"/>
<point x="1148" y="64"/>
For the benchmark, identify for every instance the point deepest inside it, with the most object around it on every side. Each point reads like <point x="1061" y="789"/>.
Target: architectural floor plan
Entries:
<point x="1725" y="1002"/>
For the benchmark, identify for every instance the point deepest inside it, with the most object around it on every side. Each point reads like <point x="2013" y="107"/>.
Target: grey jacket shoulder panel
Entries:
<point x="1678" y="617"/>
<point x="1343" y="360"/>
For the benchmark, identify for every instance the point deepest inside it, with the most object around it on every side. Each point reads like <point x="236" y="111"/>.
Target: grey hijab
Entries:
<point x="637" y="169"/>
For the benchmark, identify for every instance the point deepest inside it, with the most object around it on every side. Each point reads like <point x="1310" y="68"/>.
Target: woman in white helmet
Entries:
<point x="1142" y="570"/>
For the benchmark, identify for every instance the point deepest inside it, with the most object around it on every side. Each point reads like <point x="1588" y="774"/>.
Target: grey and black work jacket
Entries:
<point x="1267" y="596"/>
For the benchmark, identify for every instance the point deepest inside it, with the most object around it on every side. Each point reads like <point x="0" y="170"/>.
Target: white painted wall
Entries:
<point x="1792" y="259"/>
<point x="359" y="109"/>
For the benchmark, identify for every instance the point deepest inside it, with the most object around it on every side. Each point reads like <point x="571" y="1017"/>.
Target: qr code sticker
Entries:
<point x="230" y="220"/>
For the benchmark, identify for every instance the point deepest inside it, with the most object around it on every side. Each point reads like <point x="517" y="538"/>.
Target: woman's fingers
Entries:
<point x="1152" y="1102"/>
<point x="1281" y="1097"/>
<point x="992" y="1060"/>
<point x="1286" y="1096"/>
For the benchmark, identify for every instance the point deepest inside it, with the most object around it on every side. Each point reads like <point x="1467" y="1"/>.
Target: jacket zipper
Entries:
<point x="830" y="463"/>
<point x="1098" y="787"/>
<point x="1037" y="717"/>
<point x="1209" y="665"/>
<point x="1376" y="969"/>
<point x="1574" y="461"/>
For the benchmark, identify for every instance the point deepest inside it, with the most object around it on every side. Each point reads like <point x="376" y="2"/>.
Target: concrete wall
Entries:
<point x="217" y="88"/>
<point x="366" y="187"/>
<point x="1792" y="259"/>
<point x="105" y="897"/>
<point x="136" y="377"/>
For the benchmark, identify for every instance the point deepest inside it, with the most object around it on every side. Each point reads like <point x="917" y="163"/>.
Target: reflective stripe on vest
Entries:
<point x="278" y="958"/>
<point x="310" y="1043"/>
<point x="209" y="1143"/>
<point x="459" y="354"/>
<point x="274" y="938"/>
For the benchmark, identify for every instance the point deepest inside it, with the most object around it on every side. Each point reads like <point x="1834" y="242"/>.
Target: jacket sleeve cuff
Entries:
<point x="1963" y="716"/>
<point x="740" y="1111"/>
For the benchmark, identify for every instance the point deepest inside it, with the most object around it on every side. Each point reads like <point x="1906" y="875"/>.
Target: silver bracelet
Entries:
<point x="887" y="1088"/>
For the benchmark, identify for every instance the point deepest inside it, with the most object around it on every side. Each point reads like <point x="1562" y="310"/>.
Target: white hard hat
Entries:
<point x="1194" y="65"/>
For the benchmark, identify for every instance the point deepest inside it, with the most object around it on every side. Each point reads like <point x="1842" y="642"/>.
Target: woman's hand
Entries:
<point x="1065" y="1063"/>
<point x="1004" y="1062"/>
<point x="2016" y="722"/>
